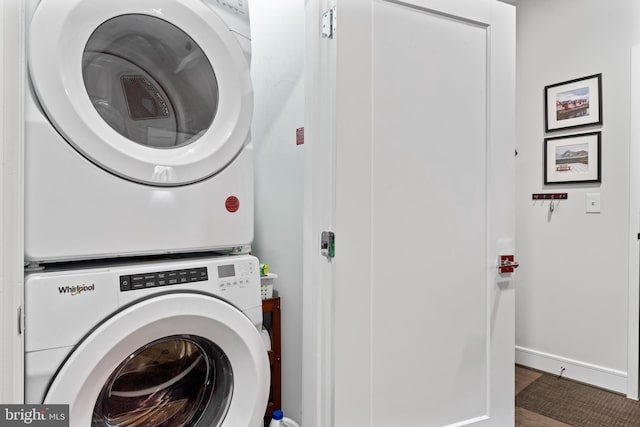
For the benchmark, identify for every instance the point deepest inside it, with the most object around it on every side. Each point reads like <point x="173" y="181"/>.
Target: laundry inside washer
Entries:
<point x="167" y="383"/>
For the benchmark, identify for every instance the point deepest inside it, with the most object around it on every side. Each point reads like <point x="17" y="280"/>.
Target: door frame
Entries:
<point x="13" y="70"/>
<point x="319" y="214"/>
<point x="633" y="330"/>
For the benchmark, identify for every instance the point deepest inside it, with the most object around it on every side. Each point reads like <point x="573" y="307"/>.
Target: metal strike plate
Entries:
<point x="328" y="245"/>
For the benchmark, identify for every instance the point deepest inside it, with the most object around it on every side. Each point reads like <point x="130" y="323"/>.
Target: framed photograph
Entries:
<point x="574" y="103"/>
<point x="572" y="158"/>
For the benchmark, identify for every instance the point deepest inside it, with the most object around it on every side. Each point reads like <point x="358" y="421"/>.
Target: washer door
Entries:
<point x="157" y="92"/>
<point x="176" y="359"/>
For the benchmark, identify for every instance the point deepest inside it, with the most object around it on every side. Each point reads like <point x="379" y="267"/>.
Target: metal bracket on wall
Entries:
<point x="552" y="197"/>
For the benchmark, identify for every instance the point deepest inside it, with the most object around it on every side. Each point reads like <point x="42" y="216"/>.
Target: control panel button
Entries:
<point x="183" y="276"/>
<point x="149" y="280"/>
<point x="137" y="281"/>
<point x="125" y="283"/>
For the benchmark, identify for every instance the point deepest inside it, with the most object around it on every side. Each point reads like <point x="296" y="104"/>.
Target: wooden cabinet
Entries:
<point x="271" y="313"/>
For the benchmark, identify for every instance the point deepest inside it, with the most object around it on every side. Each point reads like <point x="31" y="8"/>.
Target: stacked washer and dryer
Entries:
<point x="138" y="176"/>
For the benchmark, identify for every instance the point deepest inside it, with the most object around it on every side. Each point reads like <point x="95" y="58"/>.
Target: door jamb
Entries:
<point x="633" y="340"/>
<point x="319" y="215"/>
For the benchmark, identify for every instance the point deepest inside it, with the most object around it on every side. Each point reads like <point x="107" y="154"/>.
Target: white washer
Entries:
<point x="137" y="129"/>
<point x="165" y="343"/>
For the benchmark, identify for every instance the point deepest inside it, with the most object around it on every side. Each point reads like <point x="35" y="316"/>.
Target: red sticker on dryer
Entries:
<point x="232" y="204"/>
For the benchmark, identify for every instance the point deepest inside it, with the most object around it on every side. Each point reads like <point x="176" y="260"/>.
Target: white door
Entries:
<point x="415" y="326"/>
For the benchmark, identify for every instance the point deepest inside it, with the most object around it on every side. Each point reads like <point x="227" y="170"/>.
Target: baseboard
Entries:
<point x="598" y="376"/>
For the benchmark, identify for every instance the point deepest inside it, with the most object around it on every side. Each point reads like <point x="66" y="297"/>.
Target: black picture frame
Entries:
<point x="574" y="103"/>
<point x="573" y="159"/>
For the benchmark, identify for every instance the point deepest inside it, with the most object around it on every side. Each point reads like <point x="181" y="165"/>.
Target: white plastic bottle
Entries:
<point x="279" y="420"/>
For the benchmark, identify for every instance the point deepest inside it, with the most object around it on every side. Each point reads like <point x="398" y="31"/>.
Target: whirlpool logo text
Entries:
<point x="76" y="289"/>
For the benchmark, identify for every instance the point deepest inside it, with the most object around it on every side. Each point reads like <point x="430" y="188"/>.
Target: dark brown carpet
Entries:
<point x="577" y="404"/>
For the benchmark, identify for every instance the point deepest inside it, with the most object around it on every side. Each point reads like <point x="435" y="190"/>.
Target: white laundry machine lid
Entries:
<point x="154" y="91"/>
<point x="174" y="359"/>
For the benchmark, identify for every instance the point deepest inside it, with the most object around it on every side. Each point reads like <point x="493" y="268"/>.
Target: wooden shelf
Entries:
<point x="271" y="312"/>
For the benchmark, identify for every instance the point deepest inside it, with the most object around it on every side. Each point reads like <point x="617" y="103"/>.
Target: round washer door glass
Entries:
<point x="174" y="381"/>
<point x="175" y="359"/>
<point x="150" y="81"/>
<point x="160" y="95"/>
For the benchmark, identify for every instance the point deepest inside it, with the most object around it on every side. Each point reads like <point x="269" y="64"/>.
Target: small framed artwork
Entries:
<point x="573" y="103"/>
<point x="572" y="158"/>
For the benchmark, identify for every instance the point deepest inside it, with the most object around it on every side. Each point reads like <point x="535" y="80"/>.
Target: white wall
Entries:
<point x="278" y="36"/>
<point x="572" y="286"/>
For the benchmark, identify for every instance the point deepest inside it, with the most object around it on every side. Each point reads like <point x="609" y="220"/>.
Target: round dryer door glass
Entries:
<point x="150" y="81"/>
<point x="174" y="381"/>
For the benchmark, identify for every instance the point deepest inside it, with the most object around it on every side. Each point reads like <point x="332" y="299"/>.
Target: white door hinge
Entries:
<point x="329" y="19"/>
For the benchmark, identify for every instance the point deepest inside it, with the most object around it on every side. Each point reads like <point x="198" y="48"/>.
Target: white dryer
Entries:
<point x="163" y="343"/>
<point x="137" y="131"/>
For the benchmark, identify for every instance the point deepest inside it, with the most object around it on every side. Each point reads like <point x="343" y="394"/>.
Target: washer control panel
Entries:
<point x="226" y="276"/>
<point x="134" y="282"/>
<point x="235" y="275"/>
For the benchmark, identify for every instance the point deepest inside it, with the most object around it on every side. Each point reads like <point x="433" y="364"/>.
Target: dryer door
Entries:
<point x="157" y="92"/>
<point x="172" y="360"/>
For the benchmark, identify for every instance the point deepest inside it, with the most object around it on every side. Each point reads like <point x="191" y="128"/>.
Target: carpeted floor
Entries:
<point x="577" y="404"/>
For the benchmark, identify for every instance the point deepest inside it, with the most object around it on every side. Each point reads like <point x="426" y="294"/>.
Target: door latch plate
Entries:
<point x="507" y="264"/>
<point x="328" y="244"/>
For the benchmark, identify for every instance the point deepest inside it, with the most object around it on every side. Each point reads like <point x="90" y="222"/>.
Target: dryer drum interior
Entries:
<point x="180" y="380"/>
<point x="150" y="81"/>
